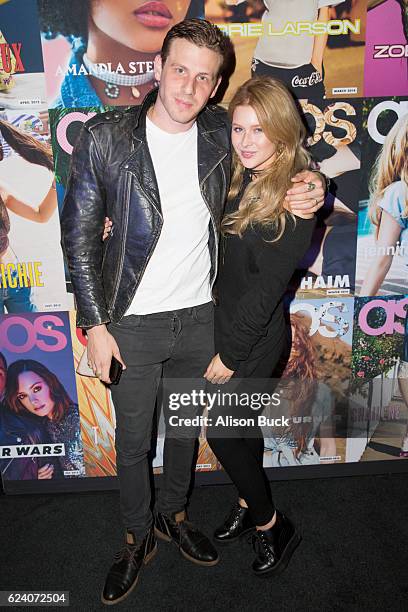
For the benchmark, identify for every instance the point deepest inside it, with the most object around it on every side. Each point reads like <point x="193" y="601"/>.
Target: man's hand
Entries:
<point x="101" y="346"/>
<point x="307" y="194"/>
<point x="217" y="373"/>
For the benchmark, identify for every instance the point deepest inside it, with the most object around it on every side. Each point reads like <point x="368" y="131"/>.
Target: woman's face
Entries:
<point x="138" y="24"/>
<point x="34" y="394"/>
<point x="251" y="145"/>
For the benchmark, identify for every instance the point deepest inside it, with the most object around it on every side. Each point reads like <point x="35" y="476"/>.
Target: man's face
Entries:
<point x="188" y="78"/>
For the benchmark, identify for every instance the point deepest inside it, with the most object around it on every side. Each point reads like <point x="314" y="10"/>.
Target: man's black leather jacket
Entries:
<point x="112" y="175"/>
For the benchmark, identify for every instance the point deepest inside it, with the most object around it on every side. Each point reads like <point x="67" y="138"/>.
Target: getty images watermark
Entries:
<point x="252" y="401"/>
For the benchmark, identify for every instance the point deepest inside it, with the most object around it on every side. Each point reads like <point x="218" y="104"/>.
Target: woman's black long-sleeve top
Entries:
<point x="253" y="278"/>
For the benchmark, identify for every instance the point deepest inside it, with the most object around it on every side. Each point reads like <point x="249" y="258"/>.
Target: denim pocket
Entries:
<point x="129" y="322"/>
<point x="203" y="313"/>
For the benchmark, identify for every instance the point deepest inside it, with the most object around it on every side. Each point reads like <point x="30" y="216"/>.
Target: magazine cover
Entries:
<point x="101" y="53"/>
<point x="378" y="412"/>
<point x="386" y="60"/>
<point x="22" y="79"/>
<point x="334" y="141"/>
<point x="382" y="243"/>
<point x="40" y="436"/>
<point x="31" y="261"/>
<point x="65" y="125"/>
<point x="316" y="47"/>
<point x="315" y="391"/>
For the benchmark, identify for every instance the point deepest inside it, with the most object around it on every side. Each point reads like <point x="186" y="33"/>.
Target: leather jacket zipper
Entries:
<point x="152" y="247"/>
<point x="216" y="239"/>
<point x="121" y="258"/>
<point x="123" y="244"/>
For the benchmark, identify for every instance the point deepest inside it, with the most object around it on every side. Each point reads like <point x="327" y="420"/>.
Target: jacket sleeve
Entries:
<point x="82" y="221"/>
<point x="277" y="262"/>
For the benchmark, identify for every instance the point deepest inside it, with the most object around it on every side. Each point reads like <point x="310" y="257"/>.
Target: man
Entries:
<point x="161" y="172"/>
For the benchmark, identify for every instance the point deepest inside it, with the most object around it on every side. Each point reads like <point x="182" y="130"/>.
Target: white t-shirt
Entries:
<point x="288" y="50"/>
<point x="178" y="272"/>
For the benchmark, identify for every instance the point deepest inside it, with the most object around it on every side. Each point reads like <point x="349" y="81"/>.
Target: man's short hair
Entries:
<point x="201" y="33"/>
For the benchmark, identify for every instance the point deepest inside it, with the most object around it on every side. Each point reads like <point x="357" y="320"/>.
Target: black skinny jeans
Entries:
<point x="240" y="449"/>
<point x="166" y="345"/>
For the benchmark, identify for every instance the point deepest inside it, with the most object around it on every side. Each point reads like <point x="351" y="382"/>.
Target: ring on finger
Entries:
<point x="311" y="186"/>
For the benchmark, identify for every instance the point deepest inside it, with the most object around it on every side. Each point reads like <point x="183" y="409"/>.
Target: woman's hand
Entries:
<point x="107" y="228"/>
<point x="217" y="373"/>
<point x="45" y="472"/>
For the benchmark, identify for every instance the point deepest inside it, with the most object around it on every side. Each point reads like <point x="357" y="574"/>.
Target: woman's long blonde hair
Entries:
<point x="391" y="165"/>
<point x="264" y="198"/>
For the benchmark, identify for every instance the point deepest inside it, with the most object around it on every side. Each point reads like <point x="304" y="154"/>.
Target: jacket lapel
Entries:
<point x="210" y="153"/>
<point x="139" y="163"/>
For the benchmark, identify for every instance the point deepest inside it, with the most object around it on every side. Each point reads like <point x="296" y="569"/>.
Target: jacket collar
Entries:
<point x="209" y="152"/>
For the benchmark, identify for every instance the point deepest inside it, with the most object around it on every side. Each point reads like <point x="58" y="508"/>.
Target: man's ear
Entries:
<point x="214" y="91"/>
<point x="157" y="67"/>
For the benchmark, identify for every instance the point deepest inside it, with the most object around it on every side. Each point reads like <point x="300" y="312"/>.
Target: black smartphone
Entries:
<point x="115" y="371"/>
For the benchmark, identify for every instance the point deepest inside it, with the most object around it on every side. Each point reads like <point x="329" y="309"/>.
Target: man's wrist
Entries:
<point x="96" y="330"/>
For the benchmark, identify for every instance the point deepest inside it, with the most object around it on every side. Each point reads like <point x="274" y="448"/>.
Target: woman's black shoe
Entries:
<point x="124" y="573"/>
<point x="192" y="544"/>
<point x="237" y="523"/>
<point x="274" y="547"/>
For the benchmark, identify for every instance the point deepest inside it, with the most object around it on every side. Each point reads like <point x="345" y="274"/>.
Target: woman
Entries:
<point x="126" y="33"/>
<point x="389" y="205"/>
<point x="309" y="408"/>
<point x="262" y="245"/>
<point x="18" y="299"/>
<point x="297" y="60"/>
<point x="15" y="430"/>
<point x="32" y="388"/>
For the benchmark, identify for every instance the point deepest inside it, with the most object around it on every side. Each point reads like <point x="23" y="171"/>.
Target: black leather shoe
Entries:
<point x="274" y="547"/>
<point x="124" y="573"/>
<point x="237" y="523"/>
<point x="193" y="544"/>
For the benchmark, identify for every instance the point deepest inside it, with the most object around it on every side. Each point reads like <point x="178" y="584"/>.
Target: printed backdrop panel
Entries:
<point x="124" y="37"/>
<point x="382" y="244"/>
<point x="40" y="431"/>
<point x="22" y="79"/>
<point x="335" y="144"/>
<point x="378" y="411"/>
<point x="386" y="61"/>
<point x="74" y="59"/>
<point x="316" y="47"/>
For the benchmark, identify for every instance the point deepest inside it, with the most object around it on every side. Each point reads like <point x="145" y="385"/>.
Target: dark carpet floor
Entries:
<point x="354" y="553"/>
